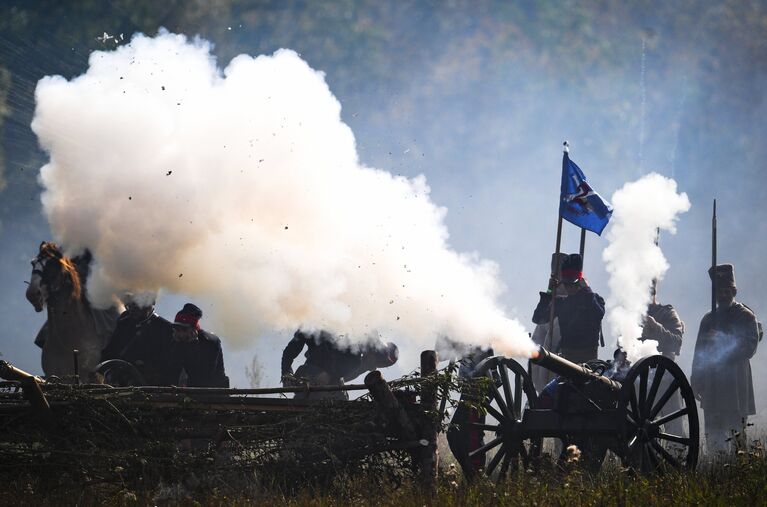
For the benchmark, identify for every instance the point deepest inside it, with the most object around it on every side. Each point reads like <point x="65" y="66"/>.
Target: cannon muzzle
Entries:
<point x="570" y="370"/>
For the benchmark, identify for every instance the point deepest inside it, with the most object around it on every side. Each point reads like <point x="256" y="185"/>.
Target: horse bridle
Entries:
<point x="41" y="261"/>
<point x="38" y="265"/>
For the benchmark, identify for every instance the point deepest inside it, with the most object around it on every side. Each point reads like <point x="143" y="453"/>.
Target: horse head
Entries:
<point x="52" y="274"/>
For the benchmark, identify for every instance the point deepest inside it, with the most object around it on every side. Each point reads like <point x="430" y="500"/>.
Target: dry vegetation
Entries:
<point x="740" y="481"/>
<point x="115" y="447"/>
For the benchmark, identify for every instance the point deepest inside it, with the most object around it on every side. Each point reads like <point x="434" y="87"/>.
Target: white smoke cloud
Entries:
<point x="633" y="260"/>
<point x="243" y="186"/>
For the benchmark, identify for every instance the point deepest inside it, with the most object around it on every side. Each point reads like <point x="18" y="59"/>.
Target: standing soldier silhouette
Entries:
<point x="721" y="371"/>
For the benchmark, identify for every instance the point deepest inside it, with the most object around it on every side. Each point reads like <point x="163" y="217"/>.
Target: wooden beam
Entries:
<point x="389" y="406"/>
<point x="430" y="453"/>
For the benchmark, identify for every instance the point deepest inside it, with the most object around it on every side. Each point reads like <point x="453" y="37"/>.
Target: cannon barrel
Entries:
<point x="10" y="372"/>
<point x="570" y="370"/>
<point x="30" y="385"/>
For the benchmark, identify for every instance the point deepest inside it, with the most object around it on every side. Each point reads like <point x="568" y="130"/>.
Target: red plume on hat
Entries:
<point x="572" y="268"/>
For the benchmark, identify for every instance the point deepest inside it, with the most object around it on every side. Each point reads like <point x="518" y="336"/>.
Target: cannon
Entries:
<point x="646" y="415"/>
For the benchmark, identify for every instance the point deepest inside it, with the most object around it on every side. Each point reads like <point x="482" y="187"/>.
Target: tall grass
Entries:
<point x="739" y="480"/>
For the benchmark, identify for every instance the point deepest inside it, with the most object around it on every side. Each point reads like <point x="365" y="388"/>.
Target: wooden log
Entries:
<point x="445" y="394"/>
<point x="253" y="405"/>
<point x="429" y="454"/>
<point x="389" y="406"/>
<point x="429" y="367"/>
<point x="235" y="391"/>
<point x="76" y="359"/>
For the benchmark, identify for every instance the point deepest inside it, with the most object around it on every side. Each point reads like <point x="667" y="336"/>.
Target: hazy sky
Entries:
<point x="464" y="95"/>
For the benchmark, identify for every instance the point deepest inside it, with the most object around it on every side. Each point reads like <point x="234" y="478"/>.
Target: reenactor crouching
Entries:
<point x="329" y="362"/>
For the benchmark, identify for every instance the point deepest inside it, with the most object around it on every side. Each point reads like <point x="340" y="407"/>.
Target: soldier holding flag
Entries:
<point x="579" y="314"/>
<point x="582" y="310"/>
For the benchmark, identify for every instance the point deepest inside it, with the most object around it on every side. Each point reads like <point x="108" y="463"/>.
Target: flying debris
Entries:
<point x="106" y="38"/>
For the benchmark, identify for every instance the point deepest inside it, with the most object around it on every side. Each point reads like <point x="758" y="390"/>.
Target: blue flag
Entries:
<point x="578" y="203"/>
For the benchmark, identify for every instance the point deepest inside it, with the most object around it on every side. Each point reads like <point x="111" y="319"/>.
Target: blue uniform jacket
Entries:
<point x="580" y="317"/>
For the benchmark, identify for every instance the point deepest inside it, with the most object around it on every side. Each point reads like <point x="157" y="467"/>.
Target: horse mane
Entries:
<point x="52" y="251"/>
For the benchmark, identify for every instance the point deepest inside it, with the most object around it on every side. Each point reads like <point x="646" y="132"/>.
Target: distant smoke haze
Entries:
<point x="633" y="260"/>
<point x="243" y="186"/>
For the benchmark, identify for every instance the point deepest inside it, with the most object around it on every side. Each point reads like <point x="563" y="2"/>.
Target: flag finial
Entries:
<point x="566" y="147"/>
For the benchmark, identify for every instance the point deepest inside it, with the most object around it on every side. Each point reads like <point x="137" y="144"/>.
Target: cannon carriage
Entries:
<point x="629" y="414"/>
<point x="143" y="435"/>
<point x="115" y="429"/>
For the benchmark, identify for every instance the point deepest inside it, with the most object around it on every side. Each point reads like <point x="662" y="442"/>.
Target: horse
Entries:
<point x="72" y="324"/>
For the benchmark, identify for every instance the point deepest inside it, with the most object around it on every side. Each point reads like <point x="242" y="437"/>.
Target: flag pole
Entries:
<point x="713" y="267"/>
<point x="583" y="242"/>
<point x="654" y="284"/>
<point x="554" y="280"/>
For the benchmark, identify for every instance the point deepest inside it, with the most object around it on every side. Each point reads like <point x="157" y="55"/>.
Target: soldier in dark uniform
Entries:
<point x="663" y="325"/>
<point x="579" y="314"/>
<point x="543" y="335"/>
<point x="138" y="319"/>
<point x="182" y="347"/>
<point x="328" y="362"/>
<point x="721" y="371"/>
<point x="196" y="351"/>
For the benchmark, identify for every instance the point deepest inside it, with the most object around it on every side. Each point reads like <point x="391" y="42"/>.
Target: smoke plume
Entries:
<point x="243" y="187"/>
<point x="632" y="258"/>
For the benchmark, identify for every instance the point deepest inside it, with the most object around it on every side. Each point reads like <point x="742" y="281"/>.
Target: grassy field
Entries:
<point x="741" y="480"/>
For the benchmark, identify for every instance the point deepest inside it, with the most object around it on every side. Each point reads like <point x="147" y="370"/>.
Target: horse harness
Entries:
<point x="40" y="262"/>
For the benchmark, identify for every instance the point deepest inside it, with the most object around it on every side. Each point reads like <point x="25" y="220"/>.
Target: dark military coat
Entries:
<point x="580" y="317"/>
<point x="322" y="353"/>
<point x="128" y="329"/>
<point x="161" y="359"/>
<point x="721" y="371"/>
<point x="203" y="361"/>
<point x="665" y="327"/>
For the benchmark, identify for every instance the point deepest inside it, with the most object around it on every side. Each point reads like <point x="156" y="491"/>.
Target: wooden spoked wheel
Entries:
<point x="510" y="389"/>
<point x="658" y="417"/>
<point x="117" y="372"/>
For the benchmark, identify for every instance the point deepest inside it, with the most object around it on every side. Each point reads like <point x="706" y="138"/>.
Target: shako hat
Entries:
<point x="725" y="275"/>
<point x="572" y="268"/>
